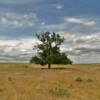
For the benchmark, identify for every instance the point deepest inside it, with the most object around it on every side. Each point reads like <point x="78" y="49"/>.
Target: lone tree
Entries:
<point x="49" y="50"/>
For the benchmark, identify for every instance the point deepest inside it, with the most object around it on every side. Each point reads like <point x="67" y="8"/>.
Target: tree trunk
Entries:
<point x="49" y="66"/>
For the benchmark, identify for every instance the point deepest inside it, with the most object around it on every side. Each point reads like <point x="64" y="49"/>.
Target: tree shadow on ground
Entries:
<point x="60" y="68"/>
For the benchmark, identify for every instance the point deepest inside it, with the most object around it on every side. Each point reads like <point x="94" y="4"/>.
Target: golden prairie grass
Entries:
<point x="35" y="82"/>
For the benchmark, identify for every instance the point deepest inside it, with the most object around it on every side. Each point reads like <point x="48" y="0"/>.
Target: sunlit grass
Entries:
<point x="35" y="82"/>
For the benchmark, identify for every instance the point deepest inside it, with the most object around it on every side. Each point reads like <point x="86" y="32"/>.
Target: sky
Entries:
<point x="77" y="20"/>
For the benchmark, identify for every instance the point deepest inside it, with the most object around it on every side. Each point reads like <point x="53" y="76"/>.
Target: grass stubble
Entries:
<point x="62" y="82"/>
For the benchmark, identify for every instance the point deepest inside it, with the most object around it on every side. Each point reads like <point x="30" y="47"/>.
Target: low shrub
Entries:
<point x="26" y="66"/>
<point x="60" y="90"/>
<point x="89" y="80"/>
<point x="79" y="79"/>
<point x="9" y="78"/>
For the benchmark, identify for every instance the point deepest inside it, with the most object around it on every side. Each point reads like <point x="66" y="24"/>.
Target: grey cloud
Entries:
<point x="85" y="55"/>
<point x="82" y="48"/>
<point x="83" y="51"/>
<point x="88" y="50"/>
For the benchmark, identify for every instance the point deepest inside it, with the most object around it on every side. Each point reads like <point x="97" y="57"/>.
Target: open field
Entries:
<point x="63" y="82"/>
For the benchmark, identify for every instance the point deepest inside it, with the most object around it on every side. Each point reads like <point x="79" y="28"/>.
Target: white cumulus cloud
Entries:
<point x="17" y="46"/>
<point x="18" y="20"/>
<point x="80" y="21"/>
<point x="79" y="47"/>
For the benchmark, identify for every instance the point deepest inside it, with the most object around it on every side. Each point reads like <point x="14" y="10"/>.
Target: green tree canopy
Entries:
<point x="49" y="50"/>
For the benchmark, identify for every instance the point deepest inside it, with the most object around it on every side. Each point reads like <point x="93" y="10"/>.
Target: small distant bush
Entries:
<point x="60" y="90"/>
<point x="26" y="66"/>
<point x="89" y="80"/>
<point x="79" y="79"/>
<point x="9" y="78"/>
<point x="1" y="90"/>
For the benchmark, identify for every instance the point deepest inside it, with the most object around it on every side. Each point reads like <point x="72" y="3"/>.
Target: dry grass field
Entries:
<point x="63" y="82"/>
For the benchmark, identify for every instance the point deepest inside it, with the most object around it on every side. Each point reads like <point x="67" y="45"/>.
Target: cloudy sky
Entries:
<point x="77" y="20"/>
